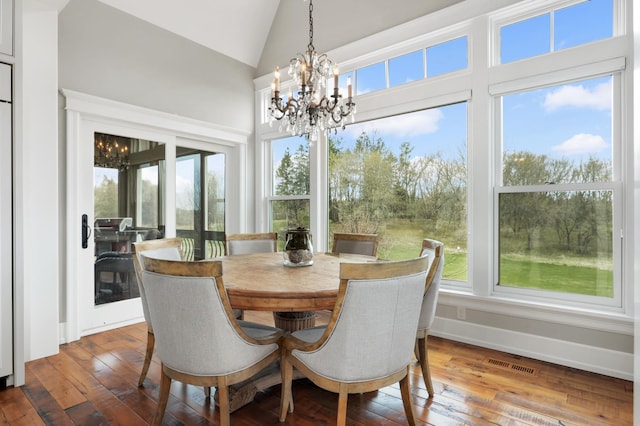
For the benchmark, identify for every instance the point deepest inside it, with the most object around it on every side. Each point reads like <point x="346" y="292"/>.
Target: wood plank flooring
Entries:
<point x="94" y="382"/>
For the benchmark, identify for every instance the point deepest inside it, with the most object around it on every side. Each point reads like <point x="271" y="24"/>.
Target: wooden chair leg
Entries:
<point x="286" y="397"/>
<point x="223" y="402"/>
<point x="343" y="397"/>
<point x="151" y="341"/>
<point x="406" y="399"/>
<point x="163" y="397"/>
<point x="424" y="364"/>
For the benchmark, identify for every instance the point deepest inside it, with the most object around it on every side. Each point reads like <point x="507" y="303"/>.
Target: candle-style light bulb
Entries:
<point x="277" y="80"/>
<point x="336" y="73"/>
<point x="349" y="87"/>
<point x="303" y="73"/>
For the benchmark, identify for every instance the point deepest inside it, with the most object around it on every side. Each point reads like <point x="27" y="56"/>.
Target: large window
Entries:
<point x="289" y="204"/>
<point x="505" y="136"/>
<point x="405" y="179"/>
<point x="557" y="29"/>
<point x="437" y="59"/>
<point x="556" y="201"/>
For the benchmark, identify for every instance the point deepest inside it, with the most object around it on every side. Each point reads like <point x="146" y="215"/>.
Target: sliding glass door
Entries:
<point x="128" y="190"/>
<point x="200" y="202"/>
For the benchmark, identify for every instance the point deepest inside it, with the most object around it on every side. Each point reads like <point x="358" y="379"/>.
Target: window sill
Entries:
<point x="580" y="317"/>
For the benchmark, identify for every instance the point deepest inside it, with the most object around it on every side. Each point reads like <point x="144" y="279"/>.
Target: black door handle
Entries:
<point x="86" y="231"/>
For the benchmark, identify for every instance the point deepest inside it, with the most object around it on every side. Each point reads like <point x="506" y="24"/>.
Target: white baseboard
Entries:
<point x="62" y="327"/>
<point x="584" y="357"/>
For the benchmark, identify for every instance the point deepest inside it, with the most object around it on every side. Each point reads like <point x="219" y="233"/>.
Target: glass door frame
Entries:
<point x="201" y="235"/>
<point x="88" y="114"/>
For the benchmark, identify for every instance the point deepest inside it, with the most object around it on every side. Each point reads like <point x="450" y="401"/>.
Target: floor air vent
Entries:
<point x="512" y="367"/>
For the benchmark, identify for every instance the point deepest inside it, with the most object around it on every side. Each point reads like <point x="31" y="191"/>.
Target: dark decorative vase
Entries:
<point x="298" y="249"/>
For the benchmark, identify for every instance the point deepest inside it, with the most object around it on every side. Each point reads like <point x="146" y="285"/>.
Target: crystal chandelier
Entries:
<point x="310" y="111"/>
<point x="111" y="152"/>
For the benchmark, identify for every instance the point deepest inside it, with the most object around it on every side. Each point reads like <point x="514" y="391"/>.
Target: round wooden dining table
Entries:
<point x="261" y="282"/>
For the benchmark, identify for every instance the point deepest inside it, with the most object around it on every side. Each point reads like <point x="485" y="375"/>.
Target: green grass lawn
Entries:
<point x="567" y="278"/>
<point x="403" y="240"/>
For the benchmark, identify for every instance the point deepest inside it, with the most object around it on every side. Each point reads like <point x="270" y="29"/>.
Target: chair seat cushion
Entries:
<point x="257" y="331"/>
<point x="310" y="334"/>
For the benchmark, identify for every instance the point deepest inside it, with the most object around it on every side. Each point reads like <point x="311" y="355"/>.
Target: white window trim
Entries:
<point x="480" y="78"/>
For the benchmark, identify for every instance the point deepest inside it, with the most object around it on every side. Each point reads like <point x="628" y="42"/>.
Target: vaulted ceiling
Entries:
<point x="263" y="33"/>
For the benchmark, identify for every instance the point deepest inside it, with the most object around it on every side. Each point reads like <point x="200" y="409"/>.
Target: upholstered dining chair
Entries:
<point x="261" y="242"/>
<point x="251" y="243"/>
<point x="165" y="248"/>
<point x="365" y="244"/>
<point x="368" y="342"/>
<point x="198" y="340"/>
<point x="434" y="251"/>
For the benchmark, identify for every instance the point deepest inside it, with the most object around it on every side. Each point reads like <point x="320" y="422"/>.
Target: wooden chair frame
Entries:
<point x="340" y="236"/>
<point x="136" y="250"/>
<point x="348" y="271"/>
<point x="222" y="383"/>
<point x="421" y="351"/>
<point x="252" y="237"/>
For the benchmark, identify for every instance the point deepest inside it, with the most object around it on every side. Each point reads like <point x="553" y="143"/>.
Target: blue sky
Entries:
<point x="570" y="121"/>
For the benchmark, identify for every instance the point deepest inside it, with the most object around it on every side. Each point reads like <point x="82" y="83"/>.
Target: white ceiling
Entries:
<point x="237" y="28"/>
<point x="242" y="29"/>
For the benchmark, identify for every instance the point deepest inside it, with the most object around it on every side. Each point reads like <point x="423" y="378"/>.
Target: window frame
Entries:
<point x="484" y="78"/>
<point x="531" y="9"/>
<point x="269" y="184"/>
<point x="615" y="68"/>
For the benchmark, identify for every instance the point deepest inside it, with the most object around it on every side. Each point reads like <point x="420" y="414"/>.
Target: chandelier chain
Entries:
<point x="310" y="45"/>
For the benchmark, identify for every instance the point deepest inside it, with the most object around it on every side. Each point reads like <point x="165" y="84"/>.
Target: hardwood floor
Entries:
<point x="94" y="382"/>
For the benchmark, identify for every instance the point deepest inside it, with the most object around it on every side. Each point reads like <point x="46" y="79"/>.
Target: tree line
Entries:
<point x="369" y="186"/>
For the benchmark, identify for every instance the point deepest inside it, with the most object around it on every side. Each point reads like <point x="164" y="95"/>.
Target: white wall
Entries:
<point x="36" y="179"/>
<point x="636" y="203"/>
<point x="107" y="53"/>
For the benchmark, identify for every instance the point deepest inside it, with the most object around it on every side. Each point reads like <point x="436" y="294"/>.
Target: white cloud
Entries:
<point x="580" y="97"/>
<point x="420" y="123"/>
<point x="581" y="143"/>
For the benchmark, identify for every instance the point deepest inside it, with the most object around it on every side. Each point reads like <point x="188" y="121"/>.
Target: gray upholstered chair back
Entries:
<point x="193" y="332"/>
<point x="375" y="332"/>
<point x="435" y="251"/>
<point x="168" y="248"/>
<point x="365" y="244"/>
<point x="252" y="243"/>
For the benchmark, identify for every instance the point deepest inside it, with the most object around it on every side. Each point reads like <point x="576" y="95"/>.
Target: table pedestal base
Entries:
<point x="243" y="393"/>
<point x="294" y="321"/>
